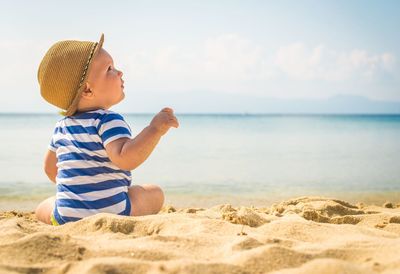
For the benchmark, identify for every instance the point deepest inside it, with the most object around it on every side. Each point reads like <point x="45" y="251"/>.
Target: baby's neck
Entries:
<point x="84" y="107"/>
<point x="88" y="109"/>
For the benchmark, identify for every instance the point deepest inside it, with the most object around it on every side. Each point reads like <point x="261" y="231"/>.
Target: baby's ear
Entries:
<point x="87" y="92"/>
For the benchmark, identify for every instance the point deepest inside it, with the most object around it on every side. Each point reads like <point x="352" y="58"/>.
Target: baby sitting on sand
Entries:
<point x="92" y="151"/>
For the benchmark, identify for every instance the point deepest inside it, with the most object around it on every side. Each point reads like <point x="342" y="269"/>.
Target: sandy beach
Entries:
<point x="300" y="235"/>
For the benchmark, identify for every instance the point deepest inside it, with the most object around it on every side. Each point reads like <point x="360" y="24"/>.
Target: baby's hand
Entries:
<point x="164" y="120"/>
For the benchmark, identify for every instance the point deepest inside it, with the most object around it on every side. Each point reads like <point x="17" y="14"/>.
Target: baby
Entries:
<point x="92" y="152"/>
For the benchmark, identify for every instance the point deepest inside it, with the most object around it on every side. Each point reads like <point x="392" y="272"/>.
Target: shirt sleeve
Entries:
<point x="52" y="146"/>
<point x="112" y="127"/>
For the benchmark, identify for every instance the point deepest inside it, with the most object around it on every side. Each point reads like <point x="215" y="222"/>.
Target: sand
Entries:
<point x="301" y="235"/>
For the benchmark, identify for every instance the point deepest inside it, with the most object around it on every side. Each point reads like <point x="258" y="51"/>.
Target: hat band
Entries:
<point x="87" y="64"/>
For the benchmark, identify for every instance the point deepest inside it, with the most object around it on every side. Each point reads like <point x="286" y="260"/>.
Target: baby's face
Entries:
<point x="105" y="81"/>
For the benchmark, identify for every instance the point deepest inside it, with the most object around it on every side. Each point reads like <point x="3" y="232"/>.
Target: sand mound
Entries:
<point x="302" y="235"/>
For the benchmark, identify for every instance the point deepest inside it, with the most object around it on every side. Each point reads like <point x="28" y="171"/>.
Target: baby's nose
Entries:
<point x="120" y="73"/>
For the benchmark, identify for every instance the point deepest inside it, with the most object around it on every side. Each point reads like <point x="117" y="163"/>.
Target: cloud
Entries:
<point x="232" y="57"/>
<point x="300" y="62"/>
<point x="223" y="63"/>
<point x="227" y="63"/>
<point x="232" y="63"/>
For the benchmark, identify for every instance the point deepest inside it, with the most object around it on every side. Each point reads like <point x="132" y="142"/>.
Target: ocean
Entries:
<point x="229" y="158"/>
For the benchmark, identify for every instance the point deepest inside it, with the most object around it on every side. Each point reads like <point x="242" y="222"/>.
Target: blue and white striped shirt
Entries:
<point x="87" y="181"/>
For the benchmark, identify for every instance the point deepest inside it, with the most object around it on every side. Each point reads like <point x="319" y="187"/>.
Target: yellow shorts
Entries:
<point x="53" y="220"/>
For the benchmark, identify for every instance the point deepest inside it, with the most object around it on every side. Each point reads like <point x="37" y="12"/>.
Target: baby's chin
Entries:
<point x="121" y="98"/>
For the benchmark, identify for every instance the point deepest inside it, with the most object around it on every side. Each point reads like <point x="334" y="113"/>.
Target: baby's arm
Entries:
<point x="50" y="165"/>
<point x="128" y="154"/>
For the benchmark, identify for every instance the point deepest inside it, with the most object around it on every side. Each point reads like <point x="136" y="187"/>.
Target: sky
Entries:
<point x="188" y="54"/>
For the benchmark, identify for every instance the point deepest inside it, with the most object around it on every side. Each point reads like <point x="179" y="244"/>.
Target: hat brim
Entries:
<point x="74" y="105"/>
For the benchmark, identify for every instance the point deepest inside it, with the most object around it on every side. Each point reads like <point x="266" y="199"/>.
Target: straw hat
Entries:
<point x="64" y="70"/>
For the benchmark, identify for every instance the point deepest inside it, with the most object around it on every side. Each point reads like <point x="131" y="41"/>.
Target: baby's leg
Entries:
<point x="44" y="210"/>
<point x="145" y="199"/>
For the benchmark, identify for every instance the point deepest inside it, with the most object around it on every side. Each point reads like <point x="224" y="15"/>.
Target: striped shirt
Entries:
<point x="87" y="181"/>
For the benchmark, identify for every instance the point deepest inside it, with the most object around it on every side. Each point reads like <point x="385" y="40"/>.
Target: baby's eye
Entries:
<point x="109" y="68"/>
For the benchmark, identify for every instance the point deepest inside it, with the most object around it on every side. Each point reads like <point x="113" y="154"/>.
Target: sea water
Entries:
<point x="229" y="158"/>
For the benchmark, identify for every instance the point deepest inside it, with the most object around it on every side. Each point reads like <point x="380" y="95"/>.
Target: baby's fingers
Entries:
<point x="173" y="122"/>
<point x="167" y="109"/>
